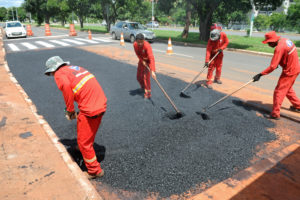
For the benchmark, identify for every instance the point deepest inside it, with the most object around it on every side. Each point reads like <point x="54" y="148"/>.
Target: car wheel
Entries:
<point x="113" y="35"/>
<point x="132" y="38"/>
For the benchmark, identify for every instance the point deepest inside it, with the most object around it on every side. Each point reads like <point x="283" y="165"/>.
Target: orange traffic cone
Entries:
<point x="72" y="30"/>
<point x="169" y="50"/>
<point x="47" y="30"/>
<point x="90" y="34"/>
<point x="122" y="43"/>
<point x="29" y="31"/>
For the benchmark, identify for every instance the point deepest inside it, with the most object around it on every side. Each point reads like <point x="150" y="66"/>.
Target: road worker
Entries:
<point x="144" y="53"/>
<point x="217" y="42"/>
<point x="77" y="84"/>
<point x="286" y="56"/>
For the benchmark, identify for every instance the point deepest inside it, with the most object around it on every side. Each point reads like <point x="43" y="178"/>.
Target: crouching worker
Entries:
<point x="144" y="53"/>
<point x="286" y="56"/>
<point x="77" y="84"/>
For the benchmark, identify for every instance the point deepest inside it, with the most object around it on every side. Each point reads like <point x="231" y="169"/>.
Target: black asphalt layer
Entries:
<point x="145" y="151"/>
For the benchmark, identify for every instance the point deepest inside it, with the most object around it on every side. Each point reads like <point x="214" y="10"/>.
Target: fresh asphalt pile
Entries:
<point x="146" y="152"/>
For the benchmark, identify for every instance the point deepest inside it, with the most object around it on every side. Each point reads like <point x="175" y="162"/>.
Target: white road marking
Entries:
<point x="28" y="45"/>
<point x="174" y="53"/>
<point x="102" y="40"/>
<point x="60" y="43"/>
<point x="45" y="44"/>
<point x="32" y="38"/>
<point x="87" y="40"/>
<point x="13" y="47"/>
<point x="73" y="41"/>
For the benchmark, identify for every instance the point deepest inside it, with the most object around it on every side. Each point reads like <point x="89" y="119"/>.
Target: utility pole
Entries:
<point x="12" y="12"/>
<point x="152" y="13"/>
<point x="17" y="14"/>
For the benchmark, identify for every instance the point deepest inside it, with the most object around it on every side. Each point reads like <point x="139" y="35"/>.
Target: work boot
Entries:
<point x="268" y="116"/>
<point x="218" y="81"/>
<point x="208" y="86"/>
<point x="292" y="108"/>
<point x="147" y="96"/>
<point x="93" y="176"/>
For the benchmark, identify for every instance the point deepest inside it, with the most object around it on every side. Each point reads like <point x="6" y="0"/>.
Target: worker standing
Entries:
<point x="286" y="56"/>
<point x="77" y="84"/>
<point x="144" y="53"/>
<point x="217" y="42"/>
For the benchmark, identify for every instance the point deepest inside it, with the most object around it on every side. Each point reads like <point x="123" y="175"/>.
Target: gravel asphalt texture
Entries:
<point x="145" y="151"/>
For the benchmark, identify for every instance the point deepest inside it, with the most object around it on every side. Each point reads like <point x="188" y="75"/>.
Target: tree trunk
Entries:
<point x="47" y="19"/>
<point x="205" y="22"/>
<point x="81" y="22"/>
<point x="188" y="17"/>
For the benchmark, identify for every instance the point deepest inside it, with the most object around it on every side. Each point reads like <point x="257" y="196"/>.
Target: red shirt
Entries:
<point x="286" y="56"/>
<point x="77" y="84"/>
<point x="145" y="54"/>
<point x="213" y="46"/>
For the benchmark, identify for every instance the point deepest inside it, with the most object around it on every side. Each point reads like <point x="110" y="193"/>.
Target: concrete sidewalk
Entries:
<point x="33" y="164"/>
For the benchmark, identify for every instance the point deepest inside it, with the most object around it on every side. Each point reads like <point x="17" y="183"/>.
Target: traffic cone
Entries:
<point x="72" y="30"/>
<point x="47" y="30"/>
<point x="122" y="43"/>
<point x="169" y="50"/>
<point x="29" y="31"/>
<point x="90" y="34"/>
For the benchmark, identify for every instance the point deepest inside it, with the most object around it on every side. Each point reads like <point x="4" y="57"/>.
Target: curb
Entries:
<point x="91" y="193"/>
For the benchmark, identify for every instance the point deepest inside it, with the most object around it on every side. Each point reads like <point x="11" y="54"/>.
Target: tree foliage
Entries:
<point x="293" y="17"/>
<point x="277" y="21"/>
<point x="3" y="12"/>
<point x="262" y="22"/>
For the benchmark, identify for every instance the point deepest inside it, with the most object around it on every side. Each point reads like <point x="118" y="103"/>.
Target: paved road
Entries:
<point x="146" y="152"/>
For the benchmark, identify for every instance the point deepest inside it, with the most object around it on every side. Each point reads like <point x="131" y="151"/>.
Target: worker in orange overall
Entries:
<point x="286" y="56"/>
<point x="77" y="84"/>
<point x="144" y="53"/>
<point x="217" y="42"/>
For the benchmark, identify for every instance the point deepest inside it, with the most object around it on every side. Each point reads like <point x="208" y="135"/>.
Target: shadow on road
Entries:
<point x="71" y="146"/>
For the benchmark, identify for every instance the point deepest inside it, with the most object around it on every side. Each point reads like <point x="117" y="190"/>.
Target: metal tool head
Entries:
<point x="184" y="95"/>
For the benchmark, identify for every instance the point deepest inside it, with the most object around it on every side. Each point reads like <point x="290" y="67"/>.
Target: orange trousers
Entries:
<point x="86" y="131"/>
<point x="215" y="64"/>
<point x="143" y="77"/>
<point x="283" y="89"/>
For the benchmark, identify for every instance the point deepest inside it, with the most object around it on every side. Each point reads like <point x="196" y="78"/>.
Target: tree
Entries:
<point x="21" y="14"/>
<point x="188" y="19"/>
<point x="293" y="17"/>
<point x="36" y="8"/>
<point x="81" y="8"/>
<point x="64" y="11"/>
<point x="277" y="21"/>
<point x="262" y="22"/>
<point x="3" y="13"/>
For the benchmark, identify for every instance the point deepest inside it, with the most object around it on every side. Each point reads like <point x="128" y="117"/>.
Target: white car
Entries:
<point x="14" y="29"/>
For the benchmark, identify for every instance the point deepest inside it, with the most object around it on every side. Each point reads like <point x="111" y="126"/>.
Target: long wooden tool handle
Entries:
<point x="165" y="93"/>
<point x="229" y="95"/>
<point x="167" y="96"/>
<point x="199" y="73"/>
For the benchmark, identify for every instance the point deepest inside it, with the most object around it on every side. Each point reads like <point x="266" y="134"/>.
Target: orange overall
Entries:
<point x="286" y="56"/>
<point x="143" y="75"/>
<point x="211" y="50"/>
<point x="77" y="84"/>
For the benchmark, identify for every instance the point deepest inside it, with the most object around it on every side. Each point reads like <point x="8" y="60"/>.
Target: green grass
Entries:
<point x="237" y="42"/>
<point x="95" y="29"/>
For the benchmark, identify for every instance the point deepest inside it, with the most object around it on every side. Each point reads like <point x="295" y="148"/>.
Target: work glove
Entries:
<point x="206" y="64"/>
<point x="70" y="115"/>
<point x="257" y="77"/>
<point x="220" y="50"/>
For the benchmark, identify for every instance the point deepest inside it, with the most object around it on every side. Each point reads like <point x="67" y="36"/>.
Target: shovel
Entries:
<point x="204" y="114"/>
<point x="178" y="113"/>
<point x="184" y="95"/>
